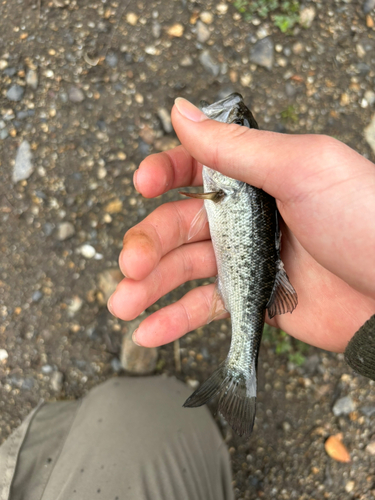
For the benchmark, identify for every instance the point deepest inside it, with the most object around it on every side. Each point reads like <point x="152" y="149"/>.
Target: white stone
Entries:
<point x="194" y="384"/>
<point x="23" y="167"/>
<point x="206" y="17"/>
<point x="370" y="97"/>
<point x="87" y="251"/>
<point x="3" y="355"/>
<point x="370" y="448"/>
<point x="222" y="8"/>
<point x="307" y="16"/>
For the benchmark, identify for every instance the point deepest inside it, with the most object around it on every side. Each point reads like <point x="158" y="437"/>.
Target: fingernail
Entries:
<point x="135" y="181"/>
<point x="188" y="110"/>
<point x="109" y="305"/>
<point x="134" y="337"/>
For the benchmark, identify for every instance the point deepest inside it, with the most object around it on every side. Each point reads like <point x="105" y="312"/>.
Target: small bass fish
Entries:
<point x="251" y="277"/>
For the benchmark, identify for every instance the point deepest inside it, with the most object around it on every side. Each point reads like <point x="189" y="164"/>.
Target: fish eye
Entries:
<point x="237" y="122"/>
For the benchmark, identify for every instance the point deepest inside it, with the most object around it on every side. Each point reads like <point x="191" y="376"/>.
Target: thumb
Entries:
<point x="260" y="158"/>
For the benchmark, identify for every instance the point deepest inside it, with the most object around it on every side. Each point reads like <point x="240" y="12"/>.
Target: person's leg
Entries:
<point x="129" y="438"/>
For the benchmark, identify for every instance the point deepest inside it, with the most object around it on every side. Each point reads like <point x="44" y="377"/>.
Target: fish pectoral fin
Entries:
<point x="215" y="196"/>
<point x="237" y="401"/>
<point x="217" y="304"/>
<point x="283" y="297"/>
<point x="198" y="223"/>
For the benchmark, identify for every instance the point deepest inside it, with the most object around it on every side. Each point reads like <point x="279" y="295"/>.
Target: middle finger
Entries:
<point x="189" y="262"/>
<point x="162" y="231"/>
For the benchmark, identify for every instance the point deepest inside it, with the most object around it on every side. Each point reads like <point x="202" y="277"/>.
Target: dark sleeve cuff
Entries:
<point x="360" y="352"/>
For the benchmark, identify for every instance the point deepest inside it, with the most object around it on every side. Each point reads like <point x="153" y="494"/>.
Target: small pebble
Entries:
<point x="114" y="206"/>
<point x="23" y="167"/>
<point x="49" y="74"/>
<point x="10" y="71"/>
<point x="209" y="63"/>
<point x="246" y="79"/>
<point x="186" y="61"/>
<point x="3" y="134"/>
<point x="116" y="365"/>
<point x="56" y="381"/>
<point x="165" y="118"/>
<point x="65" y="230"/>
<point x="3" y="64"/>
<point x="132" y="18"/>
<point x="36" y="296"/>
<point x="203" y="33"/>
<point x="176" y="30"/>
<point x="262" y="32"/>
<point x="360" y="51"/>
<point x="139" y="98"/>
<point x="368" y="5"/>
<point x="206" y="17"/>
<point x="297" y="48"/>
<point x="75" y="94"/>
<point x="262" y="53"/>
<point x="369" y="411"/>
<point x="87" y="251"/>
<point x="349" y="487"/>
<point x="75" y="305"/>
<point x="135" y="359"/>
<point x="307" y="16"/>
<point x="222" y="8"/>
<point x="156" y="29"/>
<point x="107" y="283"/>
<point x="101" y="173"/>
<point x="370" y="448"/>
<point x="3" y="355"/>
<point x="47" y="369"/>
<point x="32" y="79"/>
<point x="344" y="99"/>
<point x="111" y="59"/>
<point x="194" y="384"/>
<point x="343" y="406"/>
<point x="370" y="97"/>
<point x="15" y="93"/>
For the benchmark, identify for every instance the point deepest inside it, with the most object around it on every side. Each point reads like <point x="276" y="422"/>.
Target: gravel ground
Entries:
<point x="86" y="90"/>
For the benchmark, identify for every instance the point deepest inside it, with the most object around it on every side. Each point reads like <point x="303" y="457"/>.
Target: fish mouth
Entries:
<point x="231" y="109"/>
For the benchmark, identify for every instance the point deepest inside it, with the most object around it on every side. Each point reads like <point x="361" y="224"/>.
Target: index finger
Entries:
<point x="160" y="172"/>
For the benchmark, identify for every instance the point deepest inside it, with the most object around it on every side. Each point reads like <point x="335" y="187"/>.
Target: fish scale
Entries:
<point x="251" y="278"/>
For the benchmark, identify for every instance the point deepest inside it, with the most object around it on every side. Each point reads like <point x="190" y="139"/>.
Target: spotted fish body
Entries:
<point x="245" y="236"/>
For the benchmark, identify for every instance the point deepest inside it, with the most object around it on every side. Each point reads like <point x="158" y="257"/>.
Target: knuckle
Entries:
<point x="187" y="264"/>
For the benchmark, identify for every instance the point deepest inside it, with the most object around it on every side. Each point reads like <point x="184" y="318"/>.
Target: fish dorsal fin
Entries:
<point x="283" y="297"/>
<point x="198" y="223"/>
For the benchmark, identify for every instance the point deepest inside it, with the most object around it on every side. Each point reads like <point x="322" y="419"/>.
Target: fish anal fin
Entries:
<point x="283" y="297"/>
<point x="198" y="223"/>
<point x="217" y="304"/>
<point x="237" y="401"/>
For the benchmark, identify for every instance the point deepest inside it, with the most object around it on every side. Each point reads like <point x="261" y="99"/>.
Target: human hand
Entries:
<point x="325" y="192"/>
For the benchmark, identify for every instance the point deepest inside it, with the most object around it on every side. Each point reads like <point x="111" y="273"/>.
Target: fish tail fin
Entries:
<point x="237" y="397"/>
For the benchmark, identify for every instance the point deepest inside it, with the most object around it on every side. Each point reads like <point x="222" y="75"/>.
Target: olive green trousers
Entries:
<point x="128" y="439"/>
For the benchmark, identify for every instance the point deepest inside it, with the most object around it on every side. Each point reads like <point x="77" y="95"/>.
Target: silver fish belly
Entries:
<point x="251" y="278"/>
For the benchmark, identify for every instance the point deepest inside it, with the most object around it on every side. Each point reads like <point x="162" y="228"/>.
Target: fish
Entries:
<point x="245" y="233"/>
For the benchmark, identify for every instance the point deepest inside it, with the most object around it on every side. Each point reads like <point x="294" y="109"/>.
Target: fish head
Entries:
<point x="231" y="109"/>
